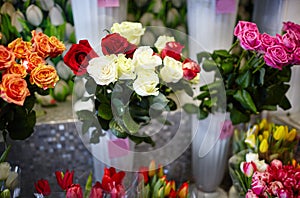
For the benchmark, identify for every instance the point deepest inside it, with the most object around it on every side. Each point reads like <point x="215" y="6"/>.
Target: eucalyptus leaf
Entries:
<point x="209" y="65"/>
<point x="129" y="123"/>
<point x="104" y="111"/>
<point x="203" y="55"/>
<point x="190" y="108"/>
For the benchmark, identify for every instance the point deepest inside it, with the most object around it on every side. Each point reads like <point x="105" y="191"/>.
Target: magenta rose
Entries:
<point x="172" y="49"/>
<point x="250" y="40"/>
<point x="290" y="26"/>
<point x="78" y="57"/>
<point x="266" y="41"/>
<point x="116" y="44"/>
<point x="242" y="26"/>
<point x="190" y="69"/>
<point x="74" y="191"/>
<point x="296" y="56"/>
<point x="288" y="40"/>
<point x="276" y="57"/>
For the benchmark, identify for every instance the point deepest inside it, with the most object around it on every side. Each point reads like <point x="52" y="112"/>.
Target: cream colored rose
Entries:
<point x="4" y="170"/>
<point x="146" y="82"/>
<point x="143" y="57"/>
<point x="132" y="31"/>
<point x="172" y="70"/>
<point x="103" y="69"/>
<point x="125" y="67"/>
<point x="160" y="43"/>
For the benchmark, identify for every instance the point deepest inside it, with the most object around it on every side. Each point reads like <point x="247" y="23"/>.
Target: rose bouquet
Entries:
<point x="24" y="72"/>
<point x="252" y="75"/>
<point x="129" y="85"/>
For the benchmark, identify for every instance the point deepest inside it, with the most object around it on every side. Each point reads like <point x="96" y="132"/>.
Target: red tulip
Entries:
<point x="143" y="174"/>
<point x="42" y="187"/>
<point x="96" y="191"/>
<point x="183" y="190"/>
<point x="64" y="180"/>
<point x="74" y="191"/>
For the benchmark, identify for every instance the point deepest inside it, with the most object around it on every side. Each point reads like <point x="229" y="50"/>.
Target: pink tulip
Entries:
<point x="96" y="191"/>
<point x="258" y="187"/>
<point x="248" y="168"/>
<point x="251" y="194"/>
<point x="276" y="164"/>
<point x="74" y="191"/>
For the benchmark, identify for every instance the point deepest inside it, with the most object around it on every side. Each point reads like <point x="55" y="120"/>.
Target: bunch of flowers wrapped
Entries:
<point x="154" y="183"/>
<point x="111" y="185"/>
<point x="277" y="180"/>
<point x="24" y="72"/>
<point x="130" y="85"/>
<point x="252" y="75"/>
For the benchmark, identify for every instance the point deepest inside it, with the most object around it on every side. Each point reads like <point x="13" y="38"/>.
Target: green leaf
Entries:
<point x="117" y="129"/>
<point x="88" y="185"/>
<point x="209" y="65"/>
<point x="85" y="115"/>
<point x="129" y="123"/>
<point x="119" y="106"/>
<point x="203" y="95"/>
<point x="104" y="111"/>
<point x="244" y="79"/>
<point x="190" y="108"/>
<point x="86" y="125"/>
<point x="285" y="103"/>
<point x="95" y="136"/>
<point x="245" y="99"/>
<point x="202" y="114"/>
<point x="238" y="117"/>
<point x="262" y="72"/>
<point x="222" y="53"/>
<point x="90" y="86"/>
<point x="5" y="153"/>
<point x="227" y="67"/>
<point x="203" y="55"/>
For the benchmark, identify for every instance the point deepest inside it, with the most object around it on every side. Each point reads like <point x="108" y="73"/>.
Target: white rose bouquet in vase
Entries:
<point x="128" y="87"/>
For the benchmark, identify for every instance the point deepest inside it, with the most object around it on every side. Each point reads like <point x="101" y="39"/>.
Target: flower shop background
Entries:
<point x="55" y="144"/>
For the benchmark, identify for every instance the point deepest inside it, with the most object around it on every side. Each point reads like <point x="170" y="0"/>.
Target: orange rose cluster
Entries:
<point x="22" y="62"/>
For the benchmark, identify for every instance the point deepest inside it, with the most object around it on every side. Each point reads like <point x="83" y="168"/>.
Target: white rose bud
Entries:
<point x="161" y="41"/>
<point x="46" y="4"/>
<point x="56" y="17"/>
<point x="7" y="8"/>
<point x="172" y="70"/>
<point x="132" y="31"/>
<point x="34" y="15"/>
<point x="146" y="82"/>
<point x="4" y="170"/>
<point x="125" y="67"/>
<point x="15" y="20"/>
<point x="103" y="69"/>
<point x="143" y="57"/>
<point x="12" y="180"/>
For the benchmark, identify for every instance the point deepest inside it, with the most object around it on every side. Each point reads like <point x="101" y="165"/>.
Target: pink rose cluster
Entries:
<point x="279" y="50"/>
<point x="277" y="181"/>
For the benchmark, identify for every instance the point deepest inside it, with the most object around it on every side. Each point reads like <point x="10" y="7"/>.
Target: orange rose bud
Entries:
<point x="183" y="190"/>
<point x="57" y="47"/>
<point x="21" y="48"/>
<point x="32" y="61"/>
<point x="7" y="58"/>
<point x="44" y="76"/>
<point x="40" y="43"/>
<point x="152" y="169"/>
<point x="160" y="172"/>
<point x="17" y="69"/>
<point x="13" y="89"/>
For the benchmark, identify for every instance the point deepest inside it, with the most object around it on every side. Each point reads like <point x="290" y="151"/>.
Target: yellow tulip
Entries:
<point x="160" y="172"/>
<point x="291" y="135"/>
<point x="152" y="167"/>
<point x="263" y="124"/>
<point x="251" y="140"/>
<point x="279" y="133"/>
<point x="260" y="137"/>
<point x="266" y="134"/>
<point x="263" y="147"/>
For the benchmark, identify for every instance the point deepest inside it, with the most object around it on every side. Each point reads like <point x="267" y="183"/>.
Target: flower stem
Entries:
<point x="233" y="45"/>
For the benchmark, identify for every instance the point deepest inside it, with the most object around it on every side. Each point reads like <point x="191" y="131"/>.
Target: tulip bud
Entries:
<point x="266" y="134"/>
<point x="251" y="140"/>
<point x="279" y="133"/>
<point x="7" y="8"/>
<point x="55" y="15"/>
<point x="69" y="30"/>
<point x="34" y="15"/>
<point x="264" y="146"/>
<point x="172" y="17"/>
<point x="12" y="180"/>
<point x="152" y="167"/>
<point x="160" y="171"/>
<point x="46" y="4"/>
<point x="291" y="135"/>
<point x="168" y="188"/>
<point x="4" y="170"/>
<point x="263" y="124"/>
<point x="15" y="20"/>
<point x="157" y="6"/>
<point x="248" y="168"/>
<point x="183" y="190"/>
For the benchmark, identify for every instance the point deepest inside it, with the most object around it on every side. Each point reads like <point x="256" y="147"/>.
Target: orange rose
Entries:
<point x="7" y="58"/>
<point x="44" y="76"/>
<point x="13" y="89"/>
<point x="57" y="47"/>
<point x="32" y="61"/>
<point x="20" y="48"/>
<point x="17" y="69"/>
<point x="40" y="44"/>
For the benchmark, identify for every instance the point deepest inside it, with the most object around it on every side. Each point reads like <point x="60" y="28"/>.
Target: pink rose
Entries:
<point x="276" y="57"/>
<point x="290" y="26"/>
<point x="74" y="191"/>
<point x="96" y="191"/>
<point x="172" y="49"/>
<point x="296" y="56"/>
<point x="266" y="41"/>
<point x="250" y="40"/>
<point x="242" y="26"/>
<point x="288" y="40"/>
<point x="190" y="69"/>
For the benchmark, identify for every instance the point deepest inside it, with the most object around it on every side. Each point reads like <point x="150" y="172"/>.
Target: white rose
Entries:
<point x="125" y="67"/>
<point x="172" y="70"/>
<point x="161" y="42"/>
<point x="143" y="57"/>
<point x="103" y="69"/>
<point x="4" y="170"/>
<point x="146" y="82"/>
<point x="132" y="31"/>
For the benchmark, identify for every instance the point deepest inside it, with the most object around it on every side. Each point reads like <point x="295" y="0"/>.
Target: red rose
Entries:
<point x="190" y="69"/>
<point x="172" y="49"/>
<point x="42" y="187"/>
<point x="64" y="180"/>
<point x="116" y="44"/>
<point x="78" y="57"/>
<point x="74" y="191"/>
